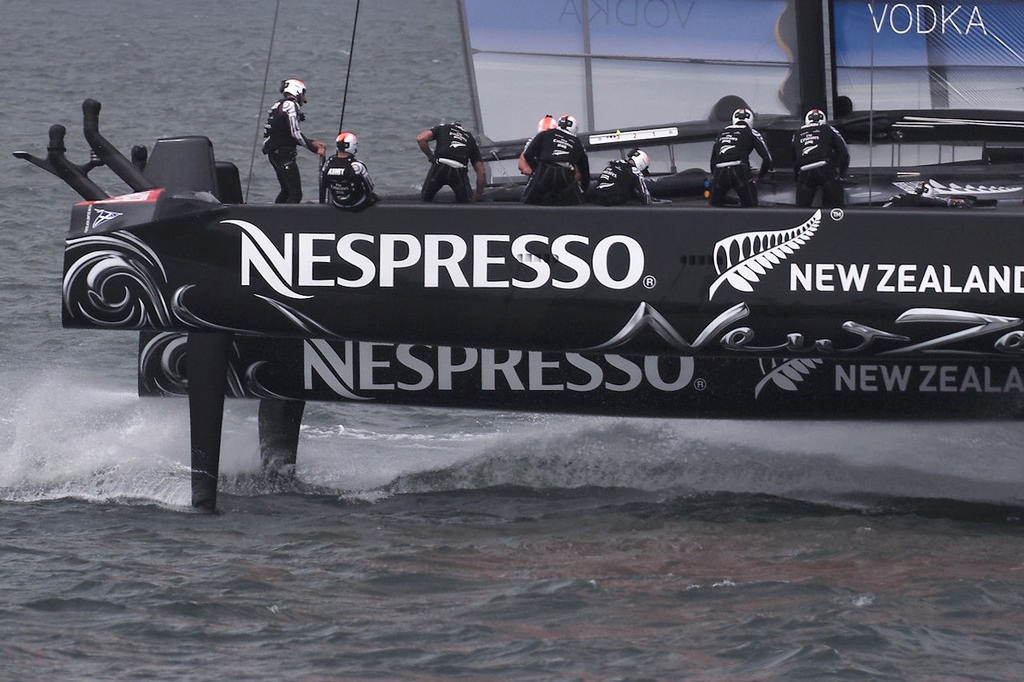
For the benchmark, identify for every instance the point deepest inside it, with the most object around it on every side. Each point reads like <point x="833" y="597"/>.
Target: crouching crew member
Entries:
<point x="820" y="159"/>
<point x="557" y="164"/>
<point x="345" y="180"/>
<point x="622" y="181"/>
<point x="455" y="150"/>
<point x="546" y="123"/>
<point x="730" y="160"/>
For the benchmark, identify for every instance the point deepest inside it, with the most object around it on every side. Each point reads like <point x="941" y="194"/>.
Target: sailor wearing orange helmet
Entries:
<point x="557" y="164"/>
<point x="345" y="180"/>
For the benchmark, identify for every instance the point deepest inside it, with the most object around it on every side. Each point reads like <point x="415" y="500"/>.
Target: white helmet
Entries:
<point x="348" y="143"/>
<point x="814" y="117"/>
<point x="640" y="159"/>
<point x="743" y="116"/>
<point x="568" y="124"/>
<point x="293" y="87"/>
<point x="546" y="123"/>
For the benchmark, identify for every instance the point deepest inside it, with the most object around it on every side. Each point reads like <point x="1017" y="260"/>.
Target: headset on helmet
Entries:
<point x="293" y="87"/>
<point x="814" y="117"/>
<point x="546" y="123"/>
<point x="568" y="124"/>
<point x="348" y="143"/>
<point x="743" y="116"/>
<point x="640" y="159"/>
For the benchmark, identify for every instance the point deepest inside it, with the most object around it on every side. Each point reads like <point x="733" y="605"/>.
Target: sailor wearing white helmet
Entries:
<point x="730" y="160"/>
<point x="282" y="135"/>
<point x="820" y="159"/>
<point x="622" y="181"/>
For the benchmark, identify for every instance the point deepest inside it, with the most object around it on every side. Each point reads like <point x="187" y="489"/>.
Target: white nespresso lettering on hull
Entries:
<point x="481" y="261"/>
<point x="905" y="278"/>
<point x="351" y="369"/>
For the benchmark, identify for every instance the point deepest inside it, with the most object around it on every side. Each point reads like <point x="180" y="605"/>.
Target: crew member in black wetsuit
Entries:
<point x="557" y="165"/>
<point x="546" y="123"/>
<point x="281" y="137"/>
<point x="820" y="159"/>
<point x="345" y="181"/>
<point x="622" y="181"/>
<point x="730" y="160"/>
<point x="455" y="150"/>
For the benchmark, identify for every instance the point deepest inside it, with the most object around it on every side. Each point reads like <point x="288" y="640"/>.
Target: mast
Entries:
<point x="588" y="68"/>
<point x="812" y="61"/>
<point x="348" y="70"/>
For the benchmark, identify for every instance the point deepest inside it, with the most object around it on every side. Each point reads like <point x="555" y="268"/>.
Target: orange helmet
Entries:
<point x="546" y="123"/>
<point x="348" y="143"/>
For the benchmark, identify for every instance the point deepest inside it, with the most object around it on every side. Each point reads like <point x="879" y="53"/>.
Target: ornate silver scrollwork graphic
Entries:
<point x="115" y="282"/>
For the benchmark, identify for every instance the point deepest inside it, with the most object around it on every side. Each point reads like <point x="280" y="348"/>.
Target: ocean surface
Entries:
<point x="425" y="544"/>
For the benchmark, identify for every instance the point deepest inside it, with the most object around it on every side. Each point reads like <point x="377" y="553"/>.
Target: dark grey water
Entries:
<point x="426" y="544"/>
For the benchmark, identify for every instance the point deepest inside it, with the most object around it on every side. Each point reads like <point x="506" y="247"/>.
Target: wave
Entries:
<point x="107" y="444"/>
<point x="799" y="460"/>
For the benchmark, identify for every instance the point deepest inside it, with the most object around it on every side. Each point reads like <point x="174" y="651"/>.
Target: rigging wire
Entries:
<point x="348" y="71"/>
<point x="263" y="95"/>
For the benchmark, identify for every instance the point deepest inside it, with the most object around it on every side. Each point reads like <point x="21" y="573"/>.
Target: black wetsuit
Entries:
<point x="455" y="150"/>
<point x="820" y="159"/>
<point x="730" y="164"/>
<point x="281" y="137"/>
<point x="346" y="184"/>
<point x="555" y="156"/>
<point x="619" y="183"/>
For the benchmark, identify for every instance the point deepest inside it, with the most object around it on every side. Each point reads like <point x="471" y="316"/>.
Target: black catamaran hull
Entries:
<point x="664" y="281"/>
<point x="588" y="383"/>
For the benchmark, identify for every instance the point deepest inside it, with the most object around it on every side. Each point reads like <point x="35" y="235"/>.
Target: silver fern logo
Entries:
<point x="786" y="375"/>
<point x="742" y="259"/>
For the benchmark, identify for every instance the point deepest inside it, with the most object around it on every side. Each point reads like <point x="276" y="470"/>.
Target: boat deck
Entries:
<point x="506" y="196"/>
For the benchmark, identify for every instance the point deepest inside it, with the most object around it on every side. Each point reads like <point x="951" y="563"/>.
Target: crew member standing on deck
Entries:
<point x="282" y="136"/>
<point x="455" y="150"/>
<point x="730" y="160"/>
<point x="820" y="159"/>
<point x="557" y="164"/>
<point x="345" y="181"/>
<point x="622" y="181"/>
